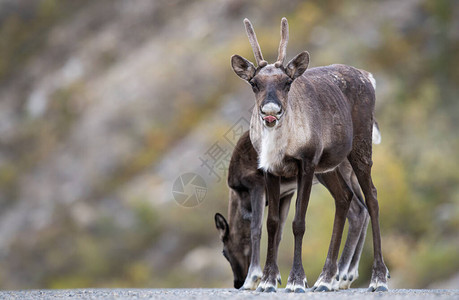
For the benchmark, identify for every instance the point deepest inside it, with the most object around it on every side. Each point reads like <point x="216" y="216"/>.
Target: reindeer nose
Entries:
<point x="238" y="283"/>
<point x="271" y="108"/>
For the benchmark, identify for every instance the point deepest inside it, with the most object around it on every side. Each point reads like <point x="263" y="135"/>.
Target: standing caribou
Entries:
<point x="241" y="234"/>
<point x="306" y="123"/>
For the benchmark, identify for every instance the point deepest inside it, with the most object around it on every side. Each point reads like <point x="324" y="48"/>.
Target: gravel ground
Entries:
<point x="203" y="294"/>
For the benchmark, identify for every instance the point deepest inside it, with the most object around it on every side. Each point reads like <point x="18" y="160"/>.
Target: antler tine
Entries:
<point x="283" y="43"/>
<point x="254" y="43"/>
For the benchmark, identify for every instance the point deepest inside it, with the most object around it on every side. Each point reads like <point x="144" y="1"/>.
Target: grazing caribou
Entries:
<point x="306" y="123"/>
<point x="241" y="234"/>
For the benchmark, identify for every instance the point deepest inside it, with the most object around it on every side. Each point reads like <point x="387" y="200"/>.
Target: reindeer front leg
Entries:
<point x="254" y="274"/>
<point x="297" y="279"/>
<point x="271" y="274"/>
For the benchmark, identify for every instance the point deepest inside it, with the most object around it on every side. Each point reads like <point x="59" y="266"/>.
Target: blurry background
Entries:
<point x="103" y="104"/>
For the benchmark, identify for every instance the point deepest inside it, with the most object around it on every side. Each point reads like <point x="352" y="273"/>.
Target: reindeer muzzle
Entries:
<point x="270" y="119"/>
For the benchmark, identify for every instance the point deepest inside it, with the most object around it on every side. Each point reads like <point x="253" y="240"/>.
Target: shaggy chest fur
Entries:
<point x="276" y="146"/>
<point x="273" y="149"/>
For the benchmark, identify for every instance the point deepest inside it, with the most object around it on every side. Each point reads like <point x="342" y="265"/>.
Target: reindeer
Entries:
<point x="306" y="123"/>
<point x="242" y="233"/>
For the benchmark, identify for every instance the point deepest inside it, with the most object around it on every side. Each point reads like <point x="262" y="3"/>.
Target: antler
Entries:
<point x="254" y="42"/>
<point x="283" y="43"/>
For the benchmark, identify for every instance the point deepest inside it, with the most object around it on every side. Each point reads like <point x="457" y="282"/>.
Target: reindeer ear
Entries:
<point x="297" y="65"/>
<point x="242" y="67"/>
<point x="222" y="226"/>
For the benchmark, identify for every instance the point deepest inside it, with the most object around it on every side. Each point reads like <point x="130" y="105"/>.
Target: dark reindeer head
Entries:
<point x="236" y="245"/>
<point x="270" y="82"/>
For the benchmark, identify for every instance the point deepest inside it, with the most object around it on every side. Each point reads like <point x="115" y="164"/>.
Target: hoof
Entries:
<point x="300" y="290"/>
<point x="322" y="288"/>
<point x="295" y="290"/>
<point x="379" y="277"/>
<point x="381" y="289"/>
<point x="327" y="283"/>
<point x="270" y="289"/>
<point x="296" y="282"/>
<point x="259" y="290"/>
<point x="252" y="281"/>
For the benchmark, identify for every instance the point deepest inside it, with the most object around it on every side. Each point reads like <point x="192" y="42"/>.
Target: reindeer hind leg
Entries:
<point x="348" y="264"/>
<point x="342" y="193"/>
<point x="358" y="218"/>
<point x="360" y="159"/>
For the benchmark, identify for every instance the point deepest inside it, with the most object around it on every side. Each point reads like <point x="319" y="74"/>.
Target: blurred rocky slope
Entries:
<point x="103" y="104"/>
